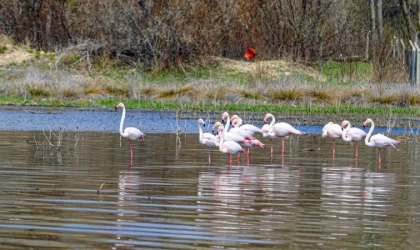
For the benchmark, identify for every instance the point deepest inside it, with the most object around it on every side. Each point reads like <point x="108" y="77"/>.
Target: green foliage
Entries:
<point x="3" y="49"/>
<point x="344" y="72"/>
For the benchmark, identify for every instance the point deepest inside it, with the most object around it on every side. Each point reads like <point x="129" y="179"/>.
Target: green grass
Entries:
<point x="345" y="72"/>
<point x="3" y="49"/>
<point x="262" y="108"/>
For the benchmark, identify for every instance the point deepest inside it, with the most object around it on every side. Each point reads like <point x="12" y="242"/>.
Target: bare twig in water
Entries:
<point x="100" y="188"/>
<point x="177" y="131"/>
<point x="391" y="123"/>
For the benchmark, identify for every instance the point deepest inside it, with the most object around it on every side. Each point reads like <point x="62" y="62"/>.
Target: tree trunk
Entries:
<point x="372" y="17"/>
<point x="408" y="22"/>
<point x="380" y="19"/>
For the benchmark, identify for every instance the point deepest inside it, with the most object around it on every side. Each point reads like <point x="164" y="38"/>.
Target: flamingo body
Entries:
<point x="281" y="129"/>
<point x="332" y="130"/>
<point x="206" y="139"/>
<point x="130" y="133"/>
<point x="228" y="147"/>
<point x="379" y="140"/>
<point x="228" y="135"/>
<point x="352" y="134"/>
<point x="236" y="121"/>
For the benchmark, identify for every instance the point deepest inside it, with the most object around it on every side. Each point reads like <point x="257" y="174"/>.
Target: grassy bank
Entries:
<point x="215" y="85"/>
<point x="317" y="109"/>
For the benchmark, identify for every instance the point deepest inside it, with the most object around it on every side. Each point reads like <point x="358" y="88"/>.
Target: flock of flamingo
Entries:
<point x="233" y="140"/>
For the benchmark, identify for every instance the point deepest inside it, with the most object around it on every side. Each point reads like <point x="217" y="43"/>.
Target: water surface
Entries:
<point x="172" y="198"/>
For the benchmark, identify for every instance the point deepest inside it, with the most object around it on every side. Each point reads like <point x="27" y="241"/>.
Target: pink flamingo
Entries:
<point x="228" y="147"/>
<point x="378" y="140"/>
<point x="226" y="119"/>
<point x="352" y="134"/>
<point x="130" y="132"/>
<point x="206" y="139"/>
<point x="281" y="129"/>
<point x="236" y="122"/>
<point x="253" y="143"/>
<point x="271" y="136"/>
<point x="228" y="135"/>
<point x="248" y="131"/>
<point x="333" y="131"/>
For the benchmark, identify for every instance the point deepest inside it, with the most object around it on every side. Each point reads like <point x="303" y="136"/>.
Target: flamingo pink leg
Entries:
<point x="230" y="160"/>
<point x="379" y="154"/>
<point x="209" y="157"/>
<point x="357" y="150"/>
<point x="271" y="148"/>
<point x="282" y="146"/>
<point x="333" y="147"/>
<point x="131" y="152"/>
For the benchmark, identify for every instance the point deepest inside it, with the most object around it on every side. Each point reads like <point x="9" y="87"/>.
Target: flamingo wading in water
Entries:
<point x="131" y="133"/>
<point x="333" y="131"/>
<point x="352" y="134"/>
<point x="228" y="147"/>
<point x="280" y="129"/>
<point x="206" y="139"/>
<point x="379" y="140"/>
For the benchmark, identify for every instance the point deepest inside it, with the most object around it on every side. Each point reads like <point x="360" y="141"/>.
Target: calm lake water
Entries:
<point x="172" y="198"/>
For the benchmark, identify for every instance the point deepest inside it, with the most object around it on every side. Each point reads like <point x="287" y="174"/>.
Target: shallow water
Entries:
<point x="172" y="198"/>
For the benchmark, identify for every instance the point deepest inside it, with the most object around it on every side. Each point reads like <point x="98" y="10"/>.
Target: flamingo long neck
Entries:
<point x="273" y="120"/>
<point x="344" y="135"/>
<point x="367" y="142"/>
<point x="122" y="122"/>
<point x="221" y="137"/>
<point x="227" y="123"/>
<point x="200" y="131"/>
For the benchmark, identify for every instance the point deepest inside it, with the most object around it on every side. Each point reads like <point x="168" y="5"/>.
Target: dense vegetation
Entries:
<point x="322" y="56"/>
<point x="160" y="35"/>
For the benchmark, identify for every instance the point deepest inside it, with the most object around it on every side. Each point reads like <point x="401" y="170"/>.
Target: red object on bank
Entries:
<point x="250" y="53"/>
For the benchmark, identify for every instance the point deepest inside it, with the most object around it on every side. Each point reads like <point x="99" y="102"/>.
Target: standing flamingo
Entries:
<point x="378" y="140"/>
<point x="281" y="129"/>
<point x="130" y="132"/>
<point x="226" y="119"/>
<point x="228" y="135"/>
<point x="352" y="134"/>
<point x="266" y="134"/>
<point x="206" y="139"/>
<point x="333" y="131"/>
<point x="228" y="147"/>
<point x="248" y="130"/>
<point x="236" y="122"/>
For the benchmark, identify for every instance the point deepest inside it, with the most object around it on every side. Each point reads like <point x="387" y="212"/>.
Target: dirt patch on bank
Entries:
<point x="268" y="68"/>
<point x="12" y="54"/>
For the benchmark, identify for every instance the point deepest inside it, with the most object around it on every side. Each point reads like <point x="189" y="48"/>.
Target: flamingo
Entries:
<point x="130" y="132"/>
<point x="206" y="139"/>
<point x="248" y="131"/>
<point x="254" y="143"/>
<point x="352" y="134"/>
<point x="228" y="135"/>
<point x="228" y="147"/>
<point x="251" y="129"/>
<point x="333" y="131"/>
<point x="226" y="119"/>
<point x="266" y="134"/>
<point x="378" y="140"/>
<point x="281" y="129"/>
